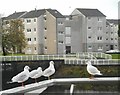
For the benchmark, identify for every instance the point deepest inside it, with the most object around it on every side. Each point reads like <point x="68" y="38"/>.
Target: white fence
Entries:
<point x="82" y="55"/>
<point x="94" y="61"/>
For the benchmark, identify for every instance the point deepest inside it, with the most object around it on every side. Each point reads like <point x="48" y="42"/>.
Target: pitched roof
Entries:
<point x="55" y="13"/>
<point x="114" y="21"/>
<point x="15" y="15"/>
<point x="107" y="23"/>
<point x="34" y="13"/>
<point x="91" y="12"/>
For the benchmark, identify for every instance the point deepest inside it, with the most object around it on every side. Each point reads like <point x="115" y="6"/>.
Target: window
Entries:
<point x="99" y="38"/>
<point x="34" y="20"/>
<point x="99" y="19"/>
<point x="99" y="28"/>
<point x="115" y="38"/>
<point x="100" y="47"/>
<point x="89" y="27"/>
<point x="45" y="38"/>
<point x="28" y="30"/>
<point x="29" y="39"/>
<point x="111" y="32"/>
<point x="61" y="32"/>
<point x="89" y="47"/>
<point x="106" y="32"/>
<point x="106" y="38"/>
<point x="45" y="18"/>
<point x="68" y="30"/>
<point x="89" y="18"/>
<point x="35" y="48"/>
<point x="111" y="38"/>
<point x="28" y="20"/>
<point x="68" y="40"/>
<point x="29" y="49"/>
<point x="67" y="18"/>
<point x="45" y="47"/>
<point x="34" y="39"/>
<point x="34" y="29"/>
<point x="45" y="29"/>
<point x="60" y="42"/>
<point x="106" y="45"/>
<point x="89" y="37"/>
<point x="60" y="23"/>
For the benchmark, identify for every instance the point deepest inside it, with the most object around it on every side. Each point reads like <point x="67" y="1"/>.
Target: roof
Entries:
<point x="91" y="12"/>
<point x="55" y="13"/>
<point x="107" y="23"/>
<point x="15" y="15"/>
<point x="34" y="13"/>
<point x="114" y="21"/>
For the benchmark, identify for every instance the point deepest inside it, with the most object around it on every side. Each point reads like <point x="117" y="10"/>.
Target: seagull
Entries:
<point x="92" y="70"/>
<point x="23" y="76"/>
<point x="50" y="70"/>
<point x="36" y="73"/>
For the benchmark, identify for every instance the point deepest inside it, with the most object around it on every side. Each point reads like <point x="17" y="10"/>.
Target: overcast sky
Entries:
<point x="107" y="7"/>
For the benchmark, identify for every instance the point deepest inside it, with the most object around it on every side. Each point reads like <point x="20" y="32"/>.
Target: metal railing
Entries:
<point x="93" y="61"/>
<point x="83" y="55"/>
<point x="46" y="83"/>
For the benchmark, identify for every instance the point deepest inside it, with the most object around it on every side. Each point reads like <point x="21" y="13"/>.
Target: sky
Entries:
<point x="65" y="7"/>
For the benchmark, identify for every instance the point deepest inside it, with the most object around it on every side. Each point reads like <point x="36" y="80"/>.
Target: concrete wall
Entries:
<point x="88" y="37"/>
<point x="60" y="34"/>
<point x="51" y="40"/>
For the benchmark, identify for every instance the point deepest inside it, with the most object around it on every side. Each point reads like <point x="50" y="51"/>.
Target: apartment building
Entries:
<point x="53" y="32"/>
<point x="42" y="29"/>
<point x="85" y="30"/>
<point x="112" y="33"/>
<point x="33" y="29"/>
<point x="0" y="34"/>
<point x="92" y="27"/>
<point x="73" y="34"/>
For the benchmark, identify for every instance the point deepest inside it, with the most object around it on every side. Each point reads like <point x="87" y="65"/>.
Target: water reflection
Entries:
<point x="78" y="90"/>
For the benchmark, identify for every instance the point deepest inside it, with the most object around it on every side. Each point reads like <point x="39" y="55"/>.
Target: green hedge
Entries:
<point x="115" y="56"/>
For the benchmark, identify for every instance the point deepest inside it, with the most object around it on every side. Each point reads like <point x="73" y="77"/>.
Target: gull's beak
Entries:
<point x="29" y="68"/>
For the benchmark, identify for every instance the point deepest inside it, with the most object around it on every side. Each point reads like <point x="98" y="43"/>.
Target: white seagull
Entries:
<point x="50" y="70"/>
<point x="36" y="73"/>
<point x="92" y="70"/>
<point x="23" y="76"/>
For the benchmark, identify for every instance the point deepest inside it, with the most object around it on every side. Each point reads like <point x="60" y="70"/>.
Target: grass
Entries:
<point x="115" y="56"/>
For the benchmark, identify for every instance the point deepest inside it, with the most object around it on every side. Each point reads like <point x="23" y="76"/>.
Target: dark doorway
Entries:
<point x="111" y="47"/>
<point x="68" y="49"/>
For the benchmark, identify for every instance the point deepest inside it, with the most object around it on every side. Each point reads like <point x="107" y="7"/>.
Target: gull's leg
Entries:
<point x="48" y="78"/>
<point x="35" y="80"/>
<point x="22" y="84"/>
<point x="91" y="77"/>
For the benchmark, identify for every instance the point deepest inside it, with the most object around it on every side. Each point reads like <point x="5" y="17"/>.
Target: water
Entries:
<point x="65" y="90"/>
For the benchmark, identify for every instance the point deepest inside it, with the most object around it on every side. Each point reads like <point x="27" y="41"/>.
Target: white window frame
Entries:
<point x="68" y="40"/>
<point x="99" y="38"/>
<point x="68" y="30"/>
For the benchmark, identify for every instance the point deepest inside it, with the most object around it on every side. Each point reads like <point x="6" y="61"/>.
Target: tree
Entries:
<point x="13" y="38"/>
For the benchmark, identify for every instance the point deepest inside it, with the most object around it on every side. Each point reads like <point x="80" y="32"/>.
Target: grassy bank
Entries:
<point x="115" y="56"/>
